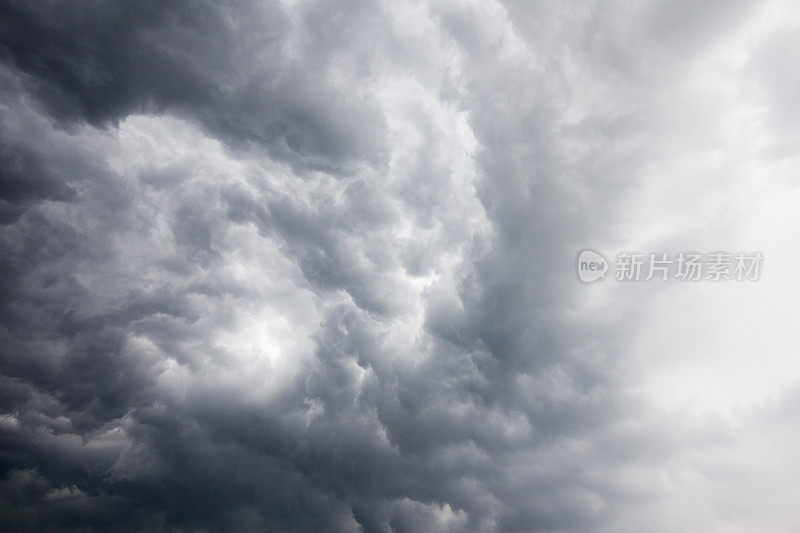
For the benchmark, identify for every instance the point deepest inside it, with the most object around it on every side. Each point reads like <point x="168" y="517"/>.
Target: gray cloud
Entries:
<point x="225" y="66"/>
<point x="308" y="266"/>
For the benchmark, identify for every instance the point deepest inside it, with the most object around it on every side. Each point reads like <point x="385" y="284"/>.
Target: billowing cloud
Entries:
<point x="308" y="266"/>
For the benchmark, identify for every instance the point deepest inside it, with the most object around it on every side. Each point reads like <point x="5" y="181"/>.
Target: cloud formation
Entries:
<point x="307" y="266"/>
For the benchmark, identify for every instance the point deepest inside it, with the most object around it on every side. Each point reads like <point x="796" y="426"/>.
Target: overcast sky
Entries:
<point x="311" y="266"/>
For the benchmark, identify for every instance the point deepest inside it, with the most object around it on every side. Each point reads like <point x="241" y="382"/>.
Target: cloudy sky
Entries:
<point x="311" y="266"/>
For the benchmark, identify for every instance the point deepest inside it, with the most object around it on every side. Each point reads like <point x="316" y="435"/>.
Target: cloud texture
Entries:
<point x="308" y="266"/>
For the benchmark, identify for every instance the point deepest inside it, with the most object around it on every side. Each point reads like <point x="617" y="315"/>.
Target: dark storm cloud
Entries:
<point x="357" y="437"/>
<point x="307" y="267"/>
<point x="224" y="65"/>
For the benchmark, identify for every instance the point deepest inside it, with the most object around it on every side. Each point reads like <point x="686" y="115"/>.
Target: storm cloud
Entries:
<point x="309" y="266"/>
